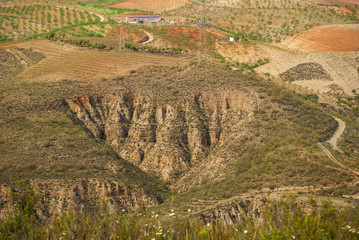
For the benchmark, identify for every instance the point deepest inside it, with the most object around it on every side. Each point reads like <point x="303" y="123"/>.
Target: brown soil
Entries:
<point x="238" y="52"/>
<point x="151" y="5"/>
<point x="336" y="38"/>
<point x="338" y="2"/>
<point x="69" y="62"/>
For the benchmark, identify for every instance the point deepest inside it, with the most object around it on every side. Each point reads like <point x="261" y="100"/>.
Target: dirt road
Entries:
<point x="333" y="143"/>
<point x="337" y="134"/>
<point x="150" y="37"/>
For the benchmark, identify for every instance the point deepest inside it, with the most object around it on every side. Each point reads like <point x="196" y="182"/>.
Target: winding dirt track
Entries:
<point x="150" y="37"/>
<point x="333" y="142"/>
<point x="337" y="134"/>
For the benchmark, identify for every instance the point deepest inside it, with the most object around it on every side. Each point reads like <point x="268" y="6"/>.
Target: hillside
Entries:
<point x="178" y="123"/>
<point x="209" y="124"/>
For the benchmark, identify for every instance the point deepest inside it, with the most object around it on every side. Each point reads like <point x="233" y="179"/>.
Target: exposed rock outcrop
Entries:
<point x="86" y="195"/>
<point x="197" y="136"/>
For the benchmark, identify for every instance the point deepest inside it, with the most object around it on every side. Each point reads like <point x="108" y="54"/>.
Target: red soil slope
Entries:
<point x="339" y="2"/>
<point x="339" y="38"/>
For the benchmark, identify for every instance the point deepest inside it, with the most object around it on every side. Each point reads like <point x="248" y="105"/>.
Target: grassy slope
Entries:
<point x="285" y="131"/>
<point x="41" y="139"/>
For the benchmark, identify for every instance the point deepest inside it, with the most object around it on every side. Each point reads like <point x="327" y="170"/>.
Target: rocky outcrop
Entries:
<point x="234" y="212"/>
<point x="172" y="140"/>
<point x="86" y="195"/>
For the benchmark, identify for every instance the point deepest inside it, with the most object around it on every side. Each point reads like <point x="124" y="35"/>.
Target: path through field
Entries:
<point x="69" y="62"/>
<point x="337" y="134"/>
<point x="333" y="142"/>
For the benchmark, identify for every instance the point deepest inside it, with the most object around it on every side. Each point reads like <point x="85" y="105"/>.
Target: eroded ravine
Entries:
<point x="186" y="142"/>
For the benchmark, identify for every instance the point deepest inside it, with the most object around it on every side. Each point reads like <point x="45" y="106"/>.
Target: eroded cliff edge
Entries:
<point x="186" y="142"/>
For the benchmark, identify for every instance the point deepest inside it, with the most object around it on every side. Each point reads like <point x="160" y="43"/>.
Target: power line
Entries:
<point x="201" y="54"/>
<point x="122" y="44"/>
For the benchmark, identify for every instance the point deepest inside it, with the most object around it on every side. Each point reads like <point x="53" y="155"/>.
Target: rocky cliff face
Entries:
<point x="85" y="195"/>
<point x="187" y="142"/>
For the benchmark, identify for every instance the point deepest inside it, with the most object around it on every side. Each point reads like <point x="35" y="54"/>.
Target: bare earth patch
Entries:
<point x="338" y="2"/>
<point x="151" y="5"/>
<point x="335" y="38"/>
<point x="340" y="66"/>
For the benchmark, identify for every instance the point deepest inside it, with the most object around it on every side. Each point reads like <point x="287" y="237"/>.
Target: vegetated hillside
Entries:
<point x="227" y="131"/>
<point x="42" y="142"/>
<point x="212" y="132"/>
<point x="268" y="23"/>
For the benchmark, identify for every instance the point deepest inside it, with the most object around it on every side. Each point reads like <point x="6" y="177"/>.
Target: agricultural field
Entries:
<point x="151" y="5"/>
<point x="337" y="2"/>
<point x="22" y="21"/>
<point x="42" y="2"/>
<point x="64" y="62"/>
<point x="331" y="38"/>
<point x="260" y="4"/>
<point x="267" y="23"/>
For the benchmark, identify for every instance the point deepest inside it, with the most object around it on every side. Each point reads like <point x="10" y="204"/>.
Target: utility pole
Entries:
<point x="201" y="54"/>
<point x="122" y="44"/>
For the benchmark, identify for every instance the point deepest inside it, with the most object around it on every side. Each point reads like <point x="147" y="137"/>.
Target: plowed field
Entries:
<point x="338" y="2"/>
<point x="150" y="5"/>
<point x="336" y="38"/>
<point x="64" y="62"/>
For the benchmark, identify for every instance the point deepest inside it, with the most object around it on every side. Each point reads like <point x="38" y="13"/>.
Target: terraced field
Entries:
<point x="64" y="62"/>
<point x="58" y="2"/>
<point x="20" y="21"/>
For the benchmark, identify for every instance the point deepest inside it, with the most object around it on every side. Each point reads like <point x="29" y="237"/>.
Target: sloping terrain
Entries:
<point x="64" y="62"/>
<point x="14" y="60"/>
<point x="167" y="140"/>
<point x="337" y="2"/>
<point x="341" y="67"/>
<point x="200" y="125"/>
<point x="335" y="38"/>
<point x="150" y="5"/>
